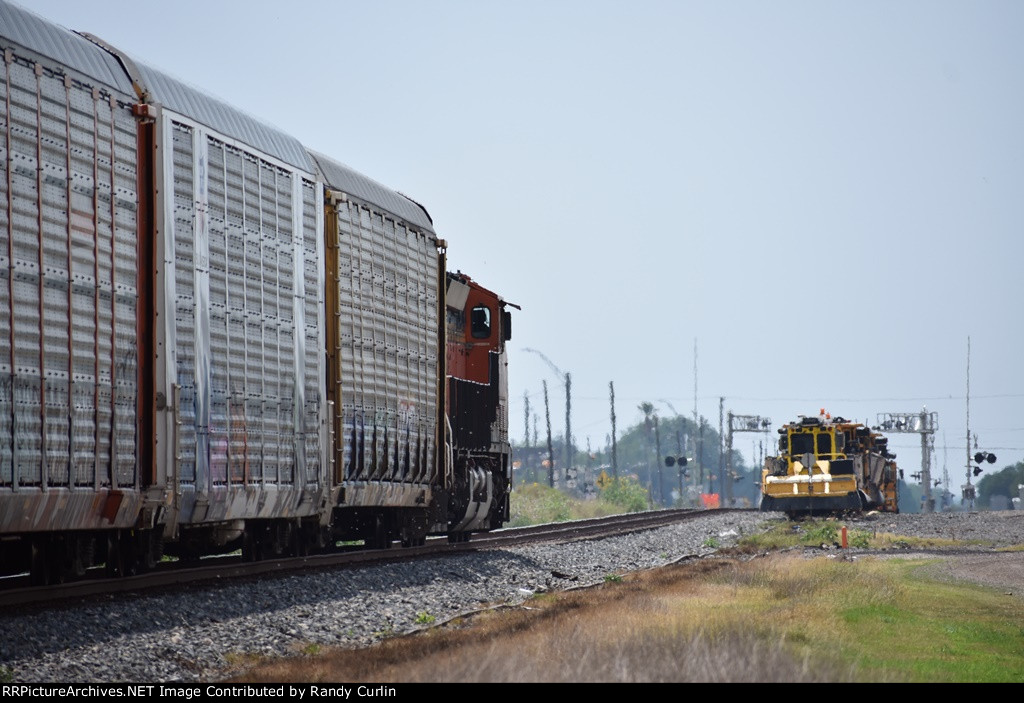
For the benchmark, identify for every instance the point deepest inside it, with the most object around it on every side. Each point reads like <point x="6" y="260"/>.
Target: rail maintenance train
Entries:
<point x="829" y="465"/>
<point x="212" y="337"/>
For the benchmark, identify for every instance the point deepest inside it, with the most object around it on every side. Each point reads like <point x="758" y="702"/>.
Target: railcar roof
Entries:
<point x="338" y="176"/>
<point x="75" y="51"/>
<point x="27" y="29"/>
<point x="82" y="55"/>
<point x="224" y="118"/>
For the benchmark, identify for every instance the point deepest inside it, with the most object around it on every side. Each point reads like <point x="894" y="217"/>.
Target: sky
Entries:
<point x="825" y="199"/>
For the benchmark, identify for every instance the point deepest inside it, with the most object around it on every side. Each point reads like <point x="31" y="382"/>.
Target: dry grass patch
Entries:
<point x="684" y="623"/>
<point x="782" y="618"/>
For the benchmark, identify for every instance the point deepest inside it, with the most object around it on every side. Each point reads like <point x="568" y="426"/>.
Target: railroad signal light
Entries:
<point x="672" y="461"/>
<point x="977" y="470"/>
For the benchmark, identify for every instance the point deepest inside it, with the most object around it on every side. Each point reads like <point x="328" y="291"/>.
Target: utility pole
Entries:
<point x="700" y="455"/>
<point x="657" y="453"/>
<point x="526" y="418"/>
<point x="568" y="427"/>
<point x="980" y="457"/>
<point x="551" y="452"/>
<point x="526" y="432"/>
<point x="721" y="451"/>
<point x="615" y="459"/>
<point x="568" y="406"/>
<point x="968" y="489"/>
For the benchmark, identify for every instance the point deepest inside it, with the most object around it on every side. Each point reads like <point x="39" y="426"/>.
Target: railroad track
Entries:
<point x="171" y="575"/>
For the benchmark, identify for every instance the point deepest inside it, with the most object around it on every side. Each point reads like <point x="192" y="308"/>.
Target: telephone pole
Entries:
<point x="526" y="418"/>
<point x="615" y="460"/>
<point x="721" y="451"/>
<point x="567" y="380"/>
<point x="551" y="452"/>
<point x="967" y="489"/>
<point x="568" y="427"/>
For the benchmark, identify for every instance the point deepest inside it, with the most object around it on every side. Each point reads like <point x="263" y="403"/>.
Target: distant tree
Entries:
<point x="627" y="493"/>
<point x="1002" y="483"/>
<point x="648" y="410"/>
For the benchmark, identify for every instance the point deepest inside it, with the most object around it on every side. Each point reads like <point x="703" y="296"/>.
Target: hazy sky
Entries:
<point x="828" y="196"/>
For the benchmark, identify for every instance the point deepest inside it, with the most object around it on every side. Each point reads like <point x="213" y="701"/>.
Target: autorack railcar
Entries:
<point x="212" y="337"/>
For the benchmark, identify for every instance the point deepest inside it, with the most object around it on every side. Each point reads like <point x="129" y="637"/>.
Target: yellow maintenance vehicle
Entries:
<point x="830" y="465"/>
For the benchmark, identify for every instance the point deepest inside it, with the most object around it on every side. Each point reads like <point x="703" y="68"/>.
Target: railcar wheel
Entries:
<point x="78" y="553"/>
<point x="280" y="543"/>
<point x="149" y="549"/>
<point x="254" y="540"/>
<point x="42" y="568"/>
<point x="117" y="557"/>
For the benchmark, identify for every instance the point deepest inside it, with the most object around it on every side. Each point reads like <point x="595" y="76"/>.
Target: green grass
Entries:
<point x="534" y="504"/>
<point x="888" y="619"/>
<point x="783" y="534"/>
<point x="938" y="632"/>
<point x="884" y="619"/>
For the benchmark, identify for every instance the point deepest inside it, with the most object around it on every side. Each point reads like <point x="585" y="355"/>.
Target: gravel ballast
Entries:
<point x="205" y="633"/>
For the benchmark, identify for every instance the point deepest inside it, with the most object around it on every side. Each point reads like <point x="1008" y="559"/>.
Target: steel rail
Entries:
<point x="174" y="575"/>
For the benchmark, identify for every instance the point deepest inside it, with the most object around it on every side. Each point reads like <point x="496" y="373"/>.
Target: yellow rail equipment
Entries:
<point x="829" y="465"/>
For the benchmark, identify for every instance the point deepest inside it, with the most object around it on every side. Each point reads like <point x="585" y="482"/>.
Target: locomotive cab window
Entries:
<point x="824" y="443"/>
<point x="801" y="444"/>
<point x="480" y="321"/>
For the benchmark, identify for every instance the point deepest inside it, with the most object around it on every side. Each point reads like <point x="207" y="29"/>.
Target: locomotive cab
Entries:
<point x="478" y="326"/>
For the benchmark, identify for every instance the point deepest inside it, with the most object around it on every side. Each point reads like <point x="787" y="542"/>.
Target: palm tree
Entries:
<point x="648" y="410"/>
